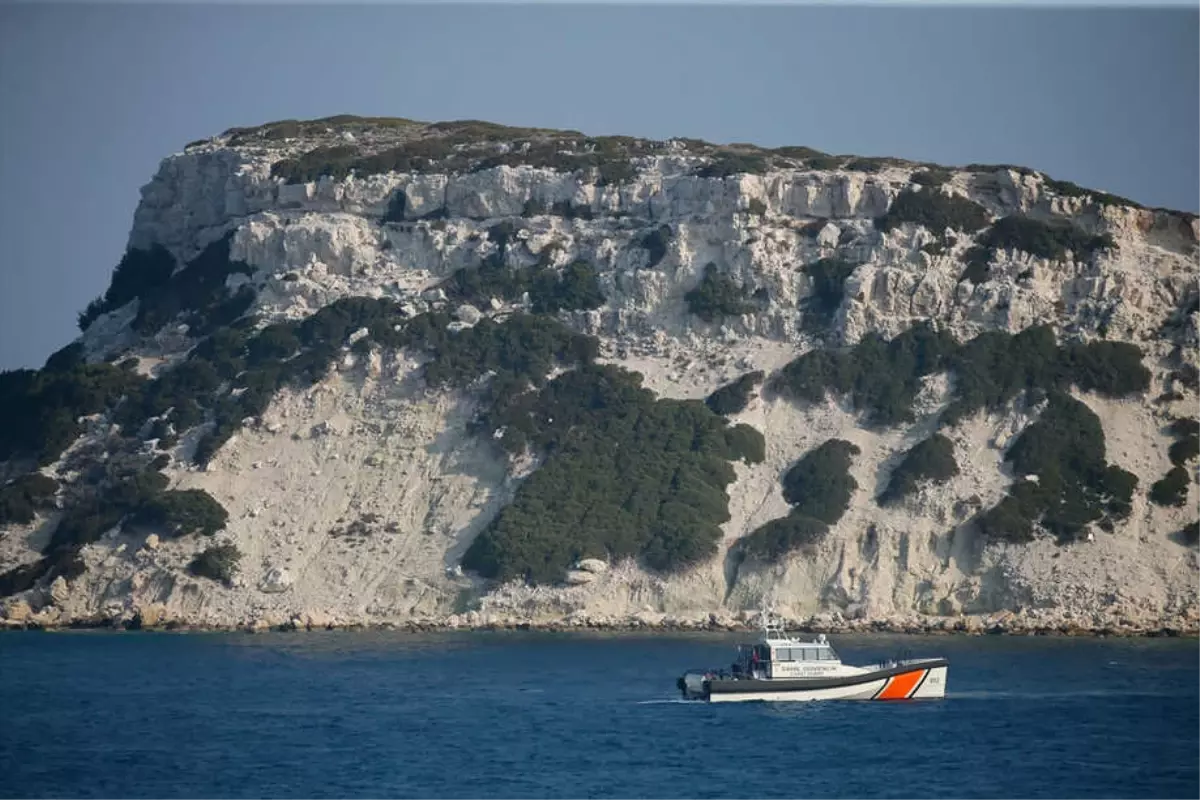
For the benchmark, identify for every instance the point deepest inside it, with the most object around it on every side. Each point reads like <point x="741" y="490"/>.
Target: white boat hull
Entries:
<point x="908" y="682"/>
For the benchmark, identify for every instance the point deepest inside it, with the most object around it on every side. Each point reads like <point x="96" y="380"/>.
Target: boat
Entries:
<point x="782" y="667"/>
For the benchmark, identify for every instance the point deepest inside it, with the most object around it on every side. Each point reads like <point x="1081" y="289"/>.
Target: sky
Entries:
<point x="93" y="96"/>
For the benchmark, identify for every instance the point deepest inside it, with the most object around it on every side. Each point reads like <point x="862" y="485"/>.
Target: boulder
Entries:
<point x="17" y="611"/>
<point x="594" y="565"/>
<point x="577" y="577"/>
<point x="277" y="580"/>
<point x="828" y="235"/>
<point x="468" y="314"/>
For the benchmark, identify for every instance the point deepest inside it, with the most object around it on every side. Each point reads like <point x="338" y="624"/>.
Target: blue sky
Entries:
<point x="93" y="96"/>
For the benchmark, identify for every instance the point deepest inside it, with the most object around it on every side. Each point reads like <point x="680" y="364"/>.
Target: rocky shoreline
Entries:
<point x="1005" y="623"/>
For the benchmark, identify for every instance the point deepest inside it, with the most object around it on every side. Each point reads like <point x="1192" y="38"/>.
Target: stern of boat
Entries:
<point x="693" y="686"/>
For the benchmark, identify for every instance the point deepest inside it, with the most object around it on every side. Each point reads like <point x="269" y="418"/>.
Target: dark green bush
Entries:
<point x="92" y="516"/>
<point x="24" y="577"/>
<point x="828" y="278"/>
<point x="183" y="512"/>
<point x="41" y="408"/>
<point x="1075" y="486"/>
<point x="576" y="288"/>
<point x="935" y="210"/>
<point x="819" y="485"/>
<point x="733" y="398"/>
<point x="882" y="378"/>
<point x="1068" y="189"/>
<point x="725" y="164"/>
<point x="1184" y="450"/>
<point x="139" y="272"/>
<point x="1190" y="534"/>
<point x="218" y="563"/>
<point x="1171" y="489"/>
<point x="655" y="243"/>
<point x="65" y="359"/>
<point x="198" y="292"/>
<point x="931" y="177"/>
<point x="717" y="297"/>
<point x="624" y="476"/>
<point x="396" y="206"/>
<point x="781" y="536"/>
<point x="929" y="461"/>
<point x="21" y="498"/>
<point x="140" y="498"/>
<point x="1044" y="239"/>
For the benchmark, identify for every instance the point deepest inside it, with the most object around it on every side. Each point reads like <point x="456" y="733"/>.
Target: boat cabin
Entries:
<point x="777" y="655"/>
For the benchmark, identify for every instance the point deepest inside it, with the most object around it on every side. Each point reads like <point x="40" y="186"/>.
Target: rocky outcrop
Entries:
<point x="371" y="442"/>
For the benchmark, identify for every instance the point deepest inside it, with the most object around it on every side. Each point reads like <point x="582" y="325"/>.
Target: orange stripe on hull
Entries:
<point x="899" y="687"/>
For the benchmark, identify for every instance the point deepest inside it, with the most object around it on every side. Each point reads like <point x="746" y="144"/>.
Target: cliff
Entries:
<point x="353" y="493"/>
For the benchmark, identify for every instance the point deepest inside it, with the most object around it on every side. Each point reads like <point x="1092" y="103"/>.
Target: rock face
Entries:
<point x="371" y="442"/>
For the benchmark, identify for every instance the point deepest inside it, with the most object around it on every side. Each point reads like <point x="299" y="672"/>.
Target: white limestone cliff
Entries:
<point x="370" y="441"/>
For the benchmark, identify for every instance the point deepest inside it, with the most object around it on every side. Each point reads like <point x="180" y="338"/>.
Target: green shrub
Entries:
<point x="779" y="537"/>
<point x="1051" y="240"/>
<point x="1184" y="450"/>
<point x="931" y="177"/>
<point x="1171" y="489"/>
<point x="882" y="378"/>
<point x="182" y="513"/>
<point x="756" y="207"/>
<point x="198" y="292"/>
<point x="140" y="498"/>
<point x="717" y="297"/>
<point x="1075" y="486"/>
<point x="1190" y="534"/>
<point x="21" y="498"/>
<point x="218" y="563"/>
<point x="397" y="205"/>
<point x="624" y="476"/>
<point x="1068" y="189"/>
<point x="733" y="398"/>
<point x="139" y="272"/>
<point x="936" y="211"/>
<point x="24" y="577"/>
<point x="828" y="278"/>
<point x="725" y="164"/>
<point x="867" y="164"/>
<point x="819" y="485"/>
<point x="576" y="288"/>
<point x="655" y="243"/>
<point x="929" y="461"/>
<point x="41" y="408"/>
<point x="65" y="359"/>
<point x="824" y="163"/>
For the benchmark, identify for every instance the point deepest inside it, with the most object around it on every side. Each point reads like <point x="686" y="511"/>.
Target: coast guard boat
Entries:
<point x="781" y="667"/>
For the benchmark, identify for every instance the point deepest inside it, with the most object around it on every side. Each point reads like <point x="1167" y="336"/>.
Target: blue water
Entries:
<point x="539" y="715"/>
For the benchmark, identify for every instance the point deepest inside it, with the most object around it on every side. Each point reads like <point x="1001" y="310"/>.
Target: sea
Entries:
<point x="524" y="714"/>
